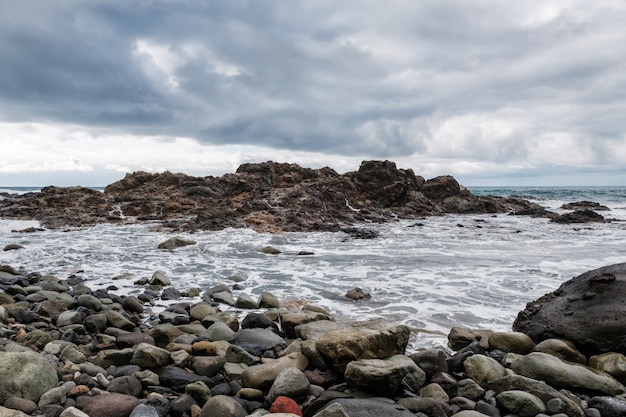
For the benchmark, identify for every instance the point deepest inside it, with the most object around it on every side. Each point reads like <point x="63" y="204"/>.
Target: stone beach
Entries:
<point x="68" y="350"/>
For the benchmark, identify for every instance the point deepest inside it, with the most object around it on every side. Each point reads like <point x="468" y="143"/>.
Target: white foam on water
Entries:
<point x="431" y="277"/>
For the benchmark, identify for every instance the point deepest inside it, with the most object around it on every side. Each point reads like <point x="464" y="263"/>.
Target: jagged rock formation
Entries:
<point x="269" y="197"/>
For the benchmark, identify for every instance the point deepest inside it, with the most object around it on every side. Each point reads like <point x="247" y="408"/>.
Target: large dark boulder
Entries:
<point x="588" y="310"/>
<point x="579" y="216"/>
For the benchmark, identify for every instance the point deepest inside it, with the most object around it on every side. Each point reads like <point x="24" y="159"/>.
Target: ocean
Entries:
<point x="477" y="271"/>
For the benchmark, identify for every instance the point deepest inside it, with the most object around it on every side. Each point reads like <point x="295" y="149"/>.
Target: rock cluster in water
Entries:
<point x="67" y="350"/>
<point x="269" y="197"/>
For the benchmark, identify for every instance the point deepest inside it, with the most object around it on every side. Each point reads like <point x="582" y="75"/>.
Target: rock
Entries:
<point x="266" y="338"/>
<point x="176" y="242"/>
<point x="562" y="349"/>
<point x="608" y="406"/>
<point x="520" y="403"/>
<point x="26" y="375"/>
<point x="132" y="305"/>
<point x="144" y="410"/>
<point x="13" y="246"/>
<point x="159" y="278"/>
<point x="357" y="294"/>
<point x="73" y="412"/>
<point x="199" y="391"/>
<point x="246" y="302"/>
<point x="263" y="375"/>
<point x="371" y="339"/>
<point x="431" y="361"/>
<point x="21" y="404"/>
<point x="285" y="405"/>
<point x="579" y="216"/>
<point x="55" y="395"/>
<point x="468" y="388"/>
<point x="177" y="378"/>
<point x="208" y="366"/>
<point x="125" y="385"/>
<point x="218" y="331"/>
<point x="483" y="369"/>
<point x="119" y="321"/>
<point x="415" y="376"/>
<point x="270" y="250"/>
<point x="554" y="371"/>
<point x="222" y="406"/>
<point x="612" y="363"/>
<point x="268" y="300"/>
<point x="515" y="342"/>
<point x="89" y="301"/>
<point x="460" y="337"/>
<point x="379" y="377"/>
<point x="426" y="406"/>
<point x="434" y="391"/>
<point x="110" y="405"/>
<point x="7" y="412"/>
<point x="291" y="383"/>
<point x="585" y="310"/>
<point x="117" y="357"/>
<point x="371" y="407"/>
<point x="583" y="205"/>
<point x="292" y="319"/>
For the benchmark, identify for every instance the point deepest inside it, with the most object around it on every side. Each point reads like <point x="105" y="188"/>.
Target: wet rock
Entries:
<point x="520" y="403"/>
<point x="548" y="368"/>
<point x="291" y="383"/>
<point x="371" y="339"/>
<point x="268" y="300"/>
<point x="110" y="405"/>
<point x="176" y="242"/>
<point x="246" y="302"/>
<point x="515" y="342"/>
<point x="26" y="375"/>
<point x="263" y="375"/>
<point x="292" y="319"/>
<point x="357" y="294"/>
<point x="612" y="363"/>
<point x="13" y="246"/>
<point x="585" y="205"/>
<point x="585" y="310"/>
<point x="159" y="278"/>
<point x="579" y="216"/>
<point x="222" y="406"/>
<point x="483" y="369"/>
<point x="608" y="406"/>
<point x="265" y="338"/>
<point x="379" y="377"/>
<point x="431" y="361"/>
<point x="562" y="349"/>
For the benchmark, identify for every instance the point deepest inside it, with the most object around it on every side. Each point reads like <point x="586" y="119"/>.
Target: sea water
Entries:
<point x="432" y="274"/>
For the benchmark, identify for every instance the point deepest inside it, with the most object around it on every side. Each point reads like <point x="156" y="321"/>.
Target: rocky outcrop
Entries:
<point x="579" y="216"/>
<point x="587" y="310"/>
<point x="268" y="197"/>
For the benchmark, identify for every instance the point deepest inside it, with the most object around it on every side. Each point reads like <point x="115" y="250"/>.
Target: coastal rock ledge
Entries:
<point x="268" y="197"/>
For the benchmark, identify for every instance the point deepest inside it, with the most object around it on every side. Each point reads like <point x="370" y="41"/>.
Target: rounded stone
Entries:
<point x="521" y="403"/>
<point x="514" y="342"/>
<point x="222" y="406"/>
<point x="26" y="375"/>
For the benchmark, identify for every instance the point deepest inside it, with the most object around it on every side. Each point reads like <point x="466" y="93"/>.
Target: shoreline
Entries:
<point x="111" y="352"/>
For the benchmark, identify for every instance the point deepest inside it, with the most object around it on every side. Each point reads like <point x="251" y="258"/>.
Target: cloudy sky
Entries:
<point x="493" y="92"/>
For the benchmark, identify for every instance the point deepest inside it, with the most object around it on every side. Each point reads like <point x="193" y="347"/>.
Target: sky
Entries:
<point x="492" y="92"/>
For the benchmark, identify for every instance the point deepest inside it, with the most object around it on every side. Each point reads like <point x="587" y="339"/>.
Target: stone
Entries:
<point x="521" y="403"/>
<point x="426" y="406"/>
<point x="585" y="310"/>
<point x="73" y="412"/>
<point x="177" y="378"/>
<point x="126" y="385"/>
<point x="285" y="405"/>
<point x="117" y="357"/>
<point x="434" y="391"/>
<point x="55" y="395"/>
<point x="579" y="216"/>
<point x="291" y="319"/>
<point x="357" y="294"/>
<point x="222" y="406"/>
<point x="555" y="372"/>
<point x="612" y="363"/>
<point x="149" y="356"/>
<point x="515" y="342"/>
<point x="236" y="354"/>
<point x="132" y="305"/>
<point x="132" y="339"/>
<point x="21" y="404"/>
<point x="608" y="406"/>
<point x="119" y="321"/>
<point x="562" y="349"/>
<point x="145" y="410"/>
<point x="415" y="376"/>
<point x="377" y="376"/>
<point x="7" y="412"/>
<point x="372" y="407"/>
<point x="246" y="302"/>
<point x="110" y="405"/>
<point x="26" y="375"/>
<point x="218" y="331"/>
<point x="268" y="300"/>
<point x="468" y="388"/>
<point x="199" y="391"/>
<point x="537" y="388"/>
<point x="371" y="339"/>
<point x="263" y="375"/>
<point x="270" y="250"/>
<point x="147" y="377"/>
<point x="176" y="242"/>
<point x="159" y="278"/>
<point x="460" y="336"/>
<point x="263" y="337"/>
<point x="35" y="339"/>
<point x="431" y="361"/>
<point x="291" y="383"/>
<point x="208" y="366"/>
<point x="483" y="369"/>
<point x="469" y="413"/>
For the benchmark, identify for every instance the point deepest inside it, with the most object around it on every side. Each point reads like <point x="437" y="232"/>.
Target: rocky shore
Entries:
<point x="269" y="197"/>
<point x="67" y="350"/>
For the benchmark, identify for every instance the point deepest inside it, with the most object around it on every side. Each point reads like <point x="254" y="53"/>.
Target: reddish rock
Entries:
<point x="111" y="405"/>
<point x="285" y="405"/>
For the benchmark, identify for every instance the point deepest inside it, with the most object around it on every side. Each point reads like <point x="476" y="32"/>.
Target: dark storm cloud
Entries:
<point x="369" y="78"/>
